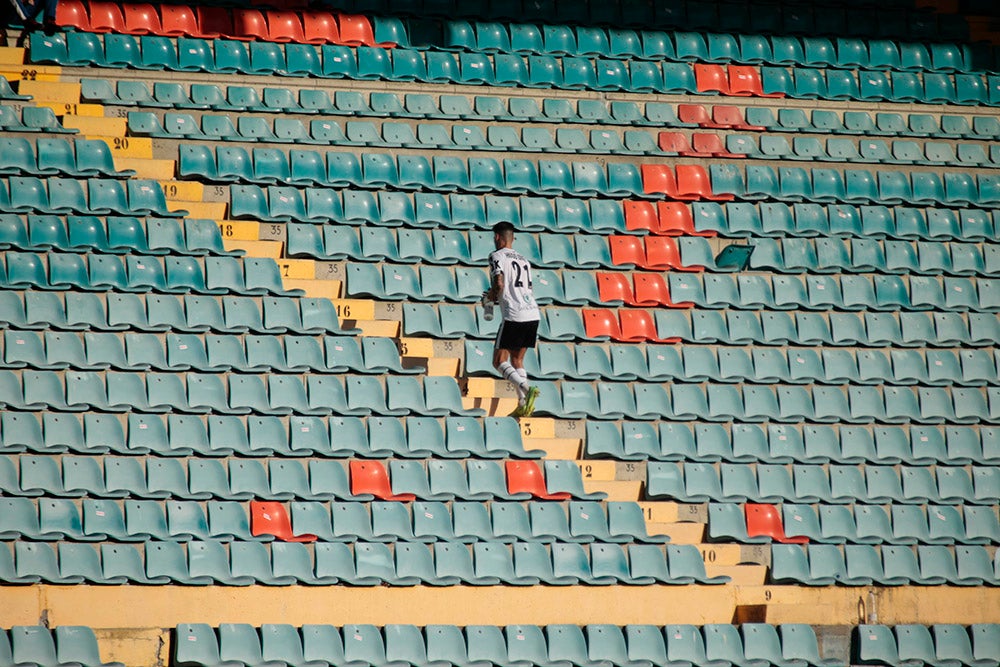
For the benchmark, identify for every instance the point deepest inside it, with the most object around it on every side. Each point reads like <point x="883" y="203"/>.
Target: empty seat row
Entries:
<point x="550" y="178"/>
<point x="312" y="27"/>
<point x="877" y="151"/>
<point x="207" y="393"/>
<point x="62" y="646"/>
<point x="783" y="443"/>
<point x="527" y="139"/>
<point x="31" y="119"/>
<point x="439" y="481"/>
<point x="863" y="565"/>
<point x="28" y="194"/>
<point x="877" y="86"/>
<point x="866" y="524"/>
<point x="184" y="435"/>
<point x="142" y="273"/>
<point x="587" y="646"/>
<point x="824" y="255"/>
<point x="82" y="311"/>
<point x="884" y="123"/>
<point x="361" y="564"/>
<point x="844" y="292"/>
<point x="733" y="327"/>
<point x="113" y="234"/>
<point x="175" y="95"/>
<point x="83" y="158"/>
<point x="665" y="363"/>
<point x="209" y="354"/>
<point x="947" y="643"/>
<point x="774" y="483"/>
<point x="782" y="220"/>
<point x="379" y="521"/>
<point x="853" y="186"/>
<point x="760" y="403"/>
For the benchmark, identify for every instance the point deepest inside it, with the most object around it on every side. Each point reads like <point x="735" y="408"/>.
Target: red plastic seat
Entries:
<point x="663" y="254"/>
<point x="141" y="19"/>
<point x="615" y="287"/>
<point x="627" y="251"/>
<point x="694" y="183"/>
<point x="697" y="114"/>
<point x="106" y="17"/>
<point x="638" y="326"/>
<point x="355" y="30"/>
<point x="527" y="477"/>
<point x="598" y="322"/>
<point x="284" y="26"/>
<point x="271" y="518"/>
<point x="676" y="142"/>
<point x="641" y="215"/>
<point x="214" y="22"/>
<point x="179" y="21"/>
<point x="765" y="521"/>
<point x="651" y="290"/>
<point x="320" y="28"/>
<point x="73" y="14"/>
<point x="745" y="80"/>
<point x="730" y="117"/>
<point x="675" y="220"/>
<point x="659" y="178"/>
<point x="371" y="477"/>
<point x="711" y="79"/>
<point x="249" y="24"/>
<point x="711" y="145"/>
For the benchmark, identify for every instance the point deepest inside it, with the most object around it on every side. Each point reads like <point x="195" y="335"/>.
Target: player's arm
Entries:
<point x="496" y="288"/>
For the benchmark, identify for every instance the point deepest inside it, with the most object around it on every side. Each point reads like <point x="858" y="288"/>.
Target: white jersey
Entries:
<point x="517" y="303"/>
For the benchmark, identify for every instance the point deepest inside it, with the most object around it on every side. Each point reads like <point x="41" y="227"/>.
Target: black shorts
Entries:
<point x="516" y="335"/>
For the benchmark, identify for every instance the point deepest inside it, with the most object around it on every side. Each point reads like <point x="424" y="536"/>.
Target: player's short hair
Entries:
<point x="503" y="228"/>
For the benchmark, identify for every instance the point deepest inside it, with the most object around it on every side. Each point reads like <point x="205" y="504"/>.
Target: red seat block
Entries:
<point x="663" y="254"/>
<point x="676" y="220"/>
<point x="106" y="17"/>
<point x="711" y="79"/>
<point x="694" y="183"/>
<point x="356" y="30"/>
<point x="141" y="19"/>
<point x="676" y="142"/>
<point x="526" y="476"/>
<point x="601" y="322"/>
<point x="371" y="477"/>
<point x="658" y="178"/>
<point x="615" y="288"/>
<point x="320" y="28"/>
<point x="638" y="326"/>
<point x="73" y="14"/>
<point x="627" y="251"/>
<point x="214" y="22"/>
<point x="697" y="114"/>
<point x="765" y="520"/>
<point x="179" y="21"/>
<point x="711" y="145"/>
<point x="745" y="80"/>
<point x="641" y="215"/>
<point x="249" y="24"/>
<point x="730" y="116"/>
<point x="284" y="26"/>
<point x="271" y="518"/>
<point x="651" y="290"/>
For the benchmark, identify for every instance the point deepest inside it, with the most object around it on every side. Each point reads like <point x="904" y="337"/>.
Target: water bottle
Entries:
<point x="487" y="308"/>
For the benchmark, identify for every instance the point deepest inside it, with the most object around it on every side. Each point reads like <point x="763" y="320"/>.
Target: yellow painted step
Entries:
<point x="559" y="448"/>
<point x="297" y="269"/>
<point x="160" y="170"/>
<point x="538" y="427"/>
<point x="721" y="554"/>
<point x="659" y="512"/>
<point x="380" y="328"/>
<point x="598" y="471"/>
<point x="207" y="210"/>
<point x="102" y="127"/>
<point x="314" y="289"/>
<point x="239" y="230"/>
<point x="180" y="191"/>
<point x="270" y="249"/>
<point x="483" y="388"/>
<point x="54" y="91"/>
<point x="740" y="575"/>
<point x="355" y="309"/>
<point x="416" y="347"/>
<point x="131" y="147"/>
<point x="11" y="56"/>
<point x="623" y="491"/>
<point x="74" y="108"/>
<point x="39" y="73"/>
<point x="680" y="533"/>
<point x="440" y="366"/>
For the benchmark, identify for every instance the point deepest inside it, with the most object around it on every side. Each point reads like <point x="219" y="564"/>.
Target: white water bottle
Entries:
<point x="487" y="308"/>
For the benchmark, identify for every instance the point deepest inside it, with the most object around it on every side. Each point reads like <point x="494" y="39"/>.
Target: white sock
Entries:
<point x="524" y="377"/>
<point x="511" y="375"/>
